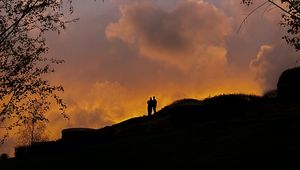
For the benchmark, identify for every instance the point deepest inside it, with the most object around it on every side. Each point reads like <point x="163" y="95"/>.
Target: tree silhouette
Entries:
<point x="22" y="63"/>
<point x="34" y="125"/>
<point x="290" y="17"/>
<point x="32" y="131"/>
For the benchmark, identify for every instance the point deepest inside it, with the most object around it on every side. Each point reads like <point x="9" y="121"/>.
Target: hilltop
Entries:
<point x="222" y="132"/>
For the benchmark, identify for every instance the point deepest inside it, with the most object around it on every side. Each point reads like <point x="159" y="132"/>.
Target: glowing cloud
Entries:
<point x="191" y="35"/>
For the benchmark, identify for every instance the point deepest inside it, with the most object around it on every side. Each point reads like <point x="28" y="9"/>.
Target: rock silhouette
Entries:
<point x="288" y="86"/>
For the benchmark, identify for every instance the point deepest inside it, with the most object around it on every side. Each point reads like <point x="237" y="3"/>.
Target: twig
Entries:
<point x="255" y="9"/>
<point x="284" y="10"/>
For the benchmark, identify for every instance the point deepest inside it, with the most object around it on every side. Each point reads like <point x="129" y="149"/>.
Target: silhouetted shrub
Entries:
<point x="36" y="148"/>
<point x="186" y="102"/>
<point x="222" y="107"/>
<point x="4" y="156"/>
<point x="288" y="86"/>
<point x="271" y="94"/>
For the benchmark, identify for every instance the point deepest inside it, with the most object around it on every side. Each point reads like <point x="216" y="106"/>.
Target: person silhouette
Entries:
<point x="154" y="104"/>
<point x="150" y="105"/>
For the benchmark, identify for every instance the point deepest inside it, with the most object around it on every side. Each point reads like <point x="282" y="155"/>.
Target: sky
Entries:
<point x="121" y="52"/>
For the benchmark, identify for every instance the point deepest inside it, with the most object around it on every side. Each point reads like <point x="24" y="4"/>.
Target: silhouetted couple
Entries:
<point x="152" y="103"/>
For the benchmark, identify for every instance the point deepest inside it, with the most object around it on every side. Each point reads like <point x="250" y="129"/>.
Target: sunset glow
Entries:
<point x="121" y="52"/>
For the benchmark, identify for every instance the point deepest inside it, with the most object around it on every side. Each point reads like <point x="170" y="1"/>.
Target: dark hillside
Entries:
<point x="223" y="132"/>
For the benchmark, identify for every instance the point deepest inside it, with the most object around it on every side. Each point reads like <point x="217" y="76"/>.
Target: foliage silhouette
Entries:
<point x="271" y="94"/>
<point x="24" y="91"/>
<point x="290" y="17"/>
<point x="31" y="132"/>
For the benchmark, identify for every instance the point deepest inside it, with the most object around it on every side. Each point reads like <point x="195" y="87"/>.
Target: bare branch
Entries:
<point x="252" y="12"/>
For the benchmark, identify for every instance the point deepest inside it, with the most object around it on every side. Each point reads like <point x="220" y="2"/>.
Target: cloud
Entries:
<point x="270" y="62"/>
<point x="258" y="46"/>
<point x="191" y="34"/>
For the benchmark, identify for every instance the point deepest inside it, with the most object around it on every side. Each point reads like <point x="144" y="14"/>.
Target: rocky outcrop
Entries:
<point x="288" y="86"/>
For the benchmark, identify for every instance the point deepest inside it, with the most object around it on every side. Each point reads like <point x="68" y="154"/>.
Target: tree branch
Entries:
<point x="15" y="24"/>
<point x="284" y="10"/>
<point x="255" y="9"/>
